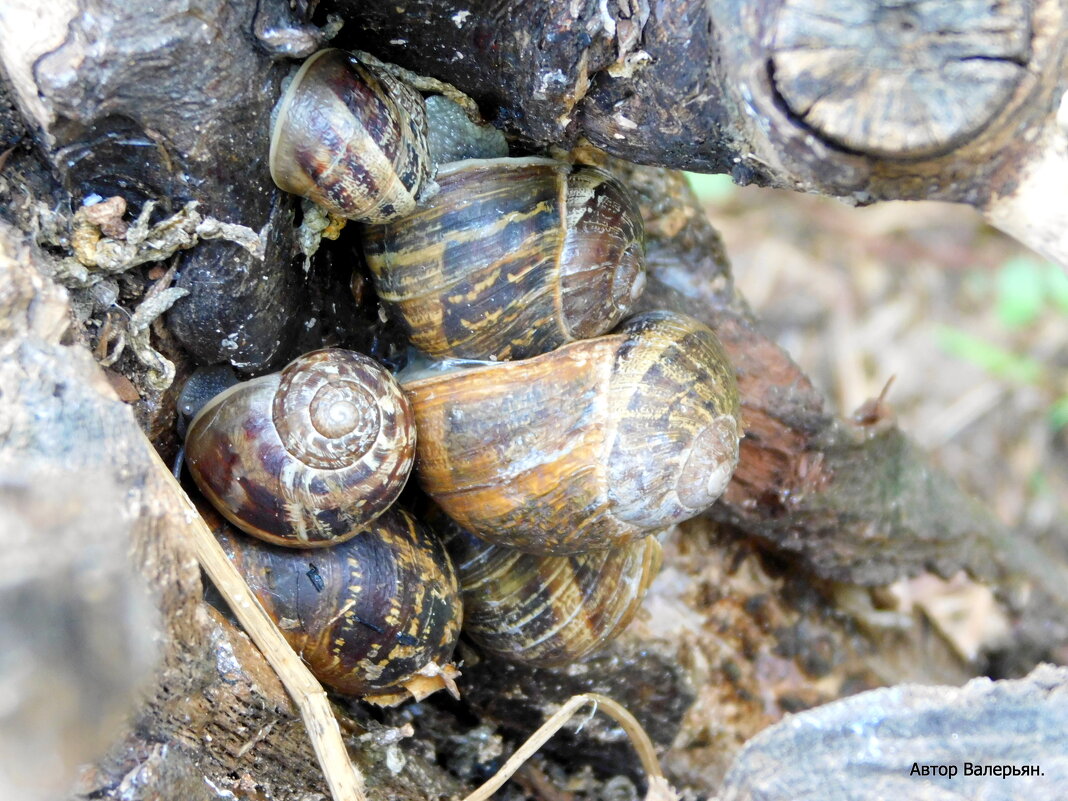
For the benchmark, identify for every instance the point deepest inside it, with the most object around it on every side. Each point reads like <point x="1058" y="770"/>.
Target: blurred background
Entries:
<point x="971" y="326"/>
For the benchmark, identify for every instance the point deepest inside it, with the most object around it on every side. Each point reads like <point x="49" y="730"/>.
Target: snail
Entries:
<point x="495" y="257"/>
<point x="511" y="258"/>
<point x="548" y="610"/>
<point x="595" y="444"/>
<point x="351" y="138"/>
<point x="357" y="137"/>
<point x="306" y="457"/>
<point x="377" y="616"/>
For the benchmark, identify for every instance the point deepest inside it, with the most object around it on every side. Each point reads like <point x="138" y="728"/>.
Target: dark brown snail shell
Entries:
<point x="352" y="138"/>
<point x="377" y="616"/>
<point x="549" y="610"/>
<point x="511" y="258"/>
<point x="306" y="457"/>
<point x="591" y="446"/>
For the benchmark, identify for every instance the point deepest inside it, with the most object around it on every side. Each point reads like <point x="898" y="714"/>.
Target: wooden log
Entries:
<point x="865" y="101"/>
<point x="213" y="713"/>
<point x="893" y="80"/>
<point x="123" y="100"/>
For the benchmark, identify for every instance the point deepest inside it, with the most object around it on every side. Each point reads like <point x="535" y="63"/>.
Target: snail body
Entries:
<point x="549" y="610"/>
<point x="596" y="444"/>
<point x="351" y="138"/>
<point x="453" y="136"/>
<point x="306" y="457"/>
<point x="377" y="616"/>
<point x="511" y="258"/>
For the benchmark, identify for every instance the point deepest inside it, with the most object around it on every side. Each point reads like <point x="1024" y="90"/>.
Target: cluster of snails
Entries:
<point x="554" y="443"/>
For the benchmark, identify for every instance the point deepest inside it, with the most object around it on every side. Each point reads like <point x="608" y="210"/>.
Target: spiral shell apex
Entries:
<point x="308" y="456"/>
<point x="596" y="444"/>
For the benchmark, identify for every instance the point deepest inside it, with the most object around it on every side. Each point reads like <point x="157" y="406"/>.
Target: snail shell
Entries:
<point x="511" y="258"/>
<point x="308" y="456"/>
<point x="350" y="138"/>
<point x="376" y="616"/>
<point x="549" y="610"/>
<point x="591" y="446"/>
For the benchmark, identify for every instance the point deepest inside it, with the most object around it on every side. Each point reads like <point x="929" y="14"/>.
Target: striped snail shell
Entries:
<point x="377" y="616"/>
<point x="548" y="610"/>
<point x="511" y="258"/>
<point x="306" y="457"/>
<point x="593" y="445"/>
<point x="351" y="138"/>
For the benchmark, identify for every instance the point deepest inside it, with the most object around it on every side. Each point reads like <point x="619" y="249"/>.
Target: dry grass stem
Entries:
<point x="343" y="778"/>
<point x="659" y="789"/>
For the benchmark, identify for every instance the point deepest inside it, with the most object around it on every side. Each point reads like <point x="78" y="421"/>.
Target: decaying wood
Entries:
<point x="866" y="100"/>
<point x="214" y="714"/>
<point x="898" y="80"/>
<point x="124" y="102"/>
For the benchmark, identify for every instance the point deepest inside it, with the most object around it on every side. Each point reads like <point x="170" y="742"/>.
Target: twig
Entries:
<point x="343" y="778"/>
<point x="534" y="782"/>
<point x="659" y="789"/>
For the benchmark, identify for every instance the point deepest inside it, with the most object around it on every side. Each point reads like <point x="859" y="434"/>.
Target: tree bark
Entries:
<point x="865" y="101"/>
<point x="123" y="101"/>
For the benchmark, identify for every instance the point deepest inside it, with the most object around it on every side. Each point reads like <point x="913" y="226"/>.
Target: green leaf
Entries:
<point x="1038" y="483"/>
<point x="711" y="188"/>
<point x="1058" y="413"/>
<point x="1057" y="286"/>
<point x="1021" y="291"/>
<point x="994" y="359"/>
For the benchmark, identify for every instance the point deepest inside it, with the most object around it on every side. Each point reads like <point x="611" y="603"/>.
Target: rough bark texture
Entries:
<point x="867" y="101"/>
<point x="115" y="117"/>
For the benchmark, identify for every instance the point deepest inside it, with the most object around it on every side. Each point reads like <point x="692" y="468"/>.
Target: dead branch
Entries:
<point x="860" y="100"/>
